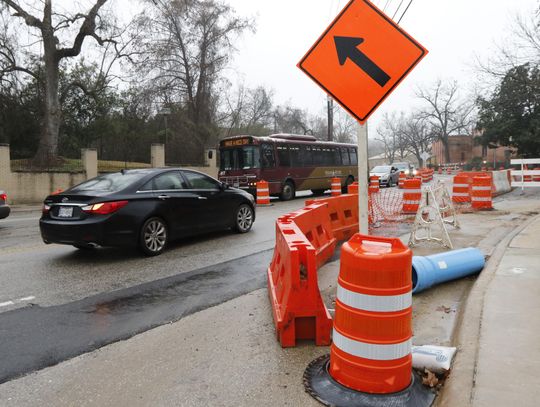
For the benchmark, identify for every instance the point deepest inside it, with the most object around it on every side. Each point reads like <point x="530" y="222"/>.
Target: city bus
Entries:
<point x="288" y="162"/>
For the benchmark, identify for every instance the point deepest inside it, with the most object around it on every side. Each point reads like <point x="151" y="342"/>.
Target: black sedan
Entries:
<point x="4" y="207"/>
<point x="145" y="208"/>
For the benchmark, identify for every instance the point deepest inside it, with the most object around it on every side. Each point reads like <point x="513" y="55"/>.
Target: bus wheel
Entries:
<point x="287" y="192"/>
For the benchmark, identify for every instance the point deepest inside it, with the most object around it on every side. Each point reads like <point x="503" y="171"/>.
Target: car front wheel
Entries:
<point x="244" y="218"/>
<point x="154" y="237"/>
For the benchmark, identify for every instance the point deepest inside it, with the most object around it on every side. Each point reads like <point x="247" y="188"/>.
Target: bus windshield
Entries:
<point x="240" y="158"/>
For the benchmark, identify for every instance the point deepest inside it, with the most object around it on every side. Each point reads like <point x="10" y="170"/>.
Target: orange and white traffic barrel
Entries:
<point x="335" y="189"/>
<point x="263" y="193"/>
<point x="481" y="193"/>
<point x="373" y="184"/>
<point x="460" y="189"/>
<point x="448" y="171"/>
<point x="402" y="178"/>
<point x="440" y="170"/>
<point x="425" y="176"/>
<point x="371" y="342"/>
<point x="412" y="195"/>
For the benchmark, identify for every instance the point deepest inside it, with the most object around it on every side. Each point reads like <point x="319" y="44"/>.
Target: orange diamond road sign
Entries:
<point x="361" y="58"/>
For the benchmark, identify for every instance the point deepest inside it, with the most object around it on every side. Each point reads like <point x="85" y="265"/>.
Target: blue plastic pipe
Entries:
<point x="428" y="271"/>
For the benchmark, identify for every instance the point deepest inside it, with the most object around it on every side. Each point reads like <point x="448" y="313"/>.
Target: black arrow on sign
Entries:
<point x="347" y="49"/>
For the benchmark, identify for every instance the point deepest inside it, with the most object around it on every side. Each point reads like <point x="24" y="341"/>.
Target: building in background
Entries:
<point x="463" y="149"/>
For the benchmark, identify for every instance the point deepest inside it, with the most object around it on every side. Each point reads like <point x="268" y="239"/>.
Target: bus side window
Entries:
<point x="268" y="160"/>
<point x="306" y="156"/>
<point x="345" y="156"/>
<point x="318" y="159"/>
<point x="336" y="158"/>
<point x="283" y="156"/>
<point x="352" y="152"/>
<point x="296" y="158"/>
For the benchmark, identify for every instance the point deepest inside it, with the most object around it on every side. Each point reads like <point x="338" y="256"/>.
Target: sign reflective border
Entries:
<point x="361" y="58"/>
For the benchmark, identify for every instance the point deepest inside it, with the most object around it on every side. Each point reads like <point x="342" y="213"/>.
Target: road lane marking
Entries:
<point x="5" y="304"/>
<point x="17" y="301"/>
<point x="29" y="298"/>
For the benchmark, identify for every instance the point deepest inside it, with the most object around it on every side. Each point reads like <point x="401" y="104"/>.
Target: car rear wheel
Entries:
<point x="244" y="218"/>
<point x="154" y="237"/>
<point x="287" y="192"/>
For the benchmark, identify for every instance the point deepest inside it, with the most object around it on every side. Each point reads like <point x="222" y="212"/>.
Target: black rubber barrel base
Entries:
<point x="321" y="386"/>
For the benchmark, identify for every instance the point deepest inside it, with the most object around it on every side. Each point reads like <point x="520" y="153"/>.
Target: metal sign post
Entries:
<point x="363" y="175"/>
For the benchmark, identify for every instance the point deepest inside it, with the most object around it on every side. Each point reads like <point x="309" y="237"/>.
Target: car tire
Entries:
<point x="153" y="237"/>
<point x="287" y="191"/>
<point x="243" y="218"/>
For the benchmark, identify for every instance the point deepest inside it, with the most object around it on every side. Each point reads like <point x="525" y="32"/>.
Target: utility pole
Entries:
<point x="330" y="106"/>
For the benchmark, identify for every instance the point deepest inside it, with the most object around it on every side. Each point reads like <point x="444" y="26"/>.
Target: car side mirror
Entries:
<point x="224" y="186"/>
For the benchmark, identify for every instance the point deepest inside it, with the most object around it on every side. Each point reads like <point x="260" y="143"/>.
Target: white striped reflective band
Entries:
<point x="460" y="194"/>
<point x="412" y="191"/>
<point x="475" y="188"/>
<point x="411" y="202"/>
<point x="478" y="198"/>
<point x="461" y="185"/>
<point x="370" y="350"/>
<point x="263" y="190"/>
<point x="375" y="303"/>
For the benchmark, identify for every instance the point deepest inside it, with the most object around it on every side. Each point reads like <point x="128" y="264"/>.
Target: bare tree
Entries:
<point x="62" y="37"/>
<point x="445" y="113"/>
<point x="417" y="135"/>
<point x="187" y="45"/>
<point x="390" y="135"/>
<point x="345" y="127"/>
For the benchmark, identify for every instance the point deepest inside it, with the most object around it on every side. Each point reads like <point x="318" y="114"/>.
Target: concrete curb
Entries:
<point x="25" y="208"/>
<point x="459" y="388"/>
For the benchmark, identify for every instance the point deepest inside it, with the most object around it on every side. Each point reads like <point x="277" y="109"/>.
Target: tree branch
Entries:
<point x="29" y="19"/>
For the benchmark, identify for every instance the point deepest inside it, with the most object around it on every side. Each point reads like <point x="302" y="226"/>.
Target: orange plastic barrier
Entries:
<point x="374" y="186"/>
<point x="481" y="193"/>
<point x="314" y="223"/>
<point x="460" y="189"/>
<point x="371" y="348"/>
<point x="335" y="189"/>
<point x="412" y="195"/>
<point x="402" y="178"/>
<point x="343" y="211"/>
<point x="263" y="193"/>
<point x="352" y="188"/>
<point x="297" y="306"/>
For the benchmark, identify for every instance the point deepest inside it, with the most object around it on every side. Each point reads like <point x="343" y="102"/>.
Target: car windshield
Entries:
<point x="401" y="166"/>
<point x="243" y="158"/>
<point x="108" y="183"/>
<point x="381" y="168"/>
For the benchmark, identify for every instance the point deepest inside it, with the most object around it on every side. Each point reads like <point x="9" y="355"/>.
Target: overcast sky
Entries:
<point x="454" y="32"/>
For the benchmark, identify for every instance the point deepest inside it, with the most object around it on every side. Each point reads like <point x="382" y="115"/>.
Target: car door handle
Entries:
<point x="163" y="197"/>
<point x="202" y="197"/>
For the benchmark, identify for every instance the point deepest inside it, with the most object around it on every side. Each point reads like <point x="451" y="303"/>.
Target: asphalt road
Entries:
<point x="46" y="275"/>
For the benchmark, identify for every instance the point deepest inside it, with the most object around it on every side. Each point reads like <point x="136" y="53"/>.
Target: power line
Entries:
<point x="408" y="5"/>
<point x="386" y="4"/>
<point x="400" y="3"/>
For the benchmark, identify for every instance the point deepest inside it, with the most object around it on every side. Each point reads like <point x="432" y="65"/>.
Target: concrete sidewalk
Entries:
<point x="498" y="363"/>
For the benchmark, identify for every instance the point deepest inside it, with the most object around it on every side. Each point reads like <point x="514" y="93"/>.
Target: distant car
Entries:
<point x="4" y="207"/>
<point x="405" y="167"/>
<point x="144" y="208"/>
<point x="388" y="175"/>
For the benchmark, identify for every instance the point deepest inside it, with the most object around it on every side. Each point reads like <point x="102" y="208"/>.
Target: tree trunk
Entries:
<point x="445" y="143"/>
<point x="52" y="115"/>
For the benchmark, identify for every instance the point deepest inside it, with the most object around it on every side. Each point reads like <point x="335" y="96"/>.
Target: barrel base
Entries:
<point x="321" y="386"/>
